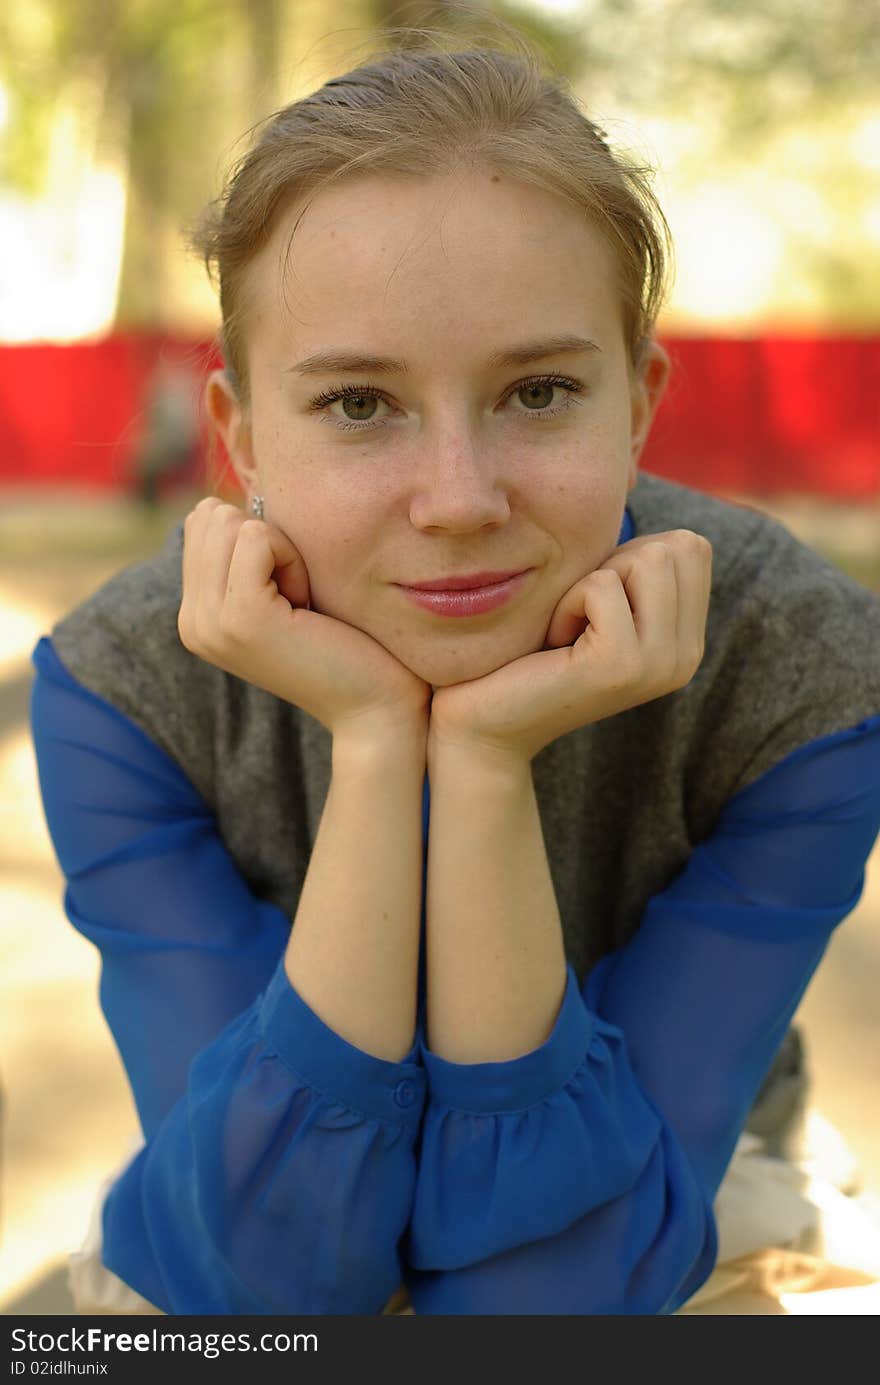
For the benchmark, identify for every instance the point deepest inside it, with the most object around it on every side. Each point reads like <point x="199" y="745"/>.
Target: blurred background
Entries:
<point x="118" y="122"/>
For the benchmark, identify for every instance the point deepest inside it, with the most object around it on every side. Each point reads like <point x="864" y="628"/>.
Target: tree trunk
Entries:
<point x="265" y="24"/>
<point x="415" y="13"/>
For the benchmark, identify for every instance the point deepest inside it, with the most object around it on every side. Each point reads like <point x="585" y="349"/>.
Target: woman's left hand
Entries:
<point x="631" y="631"/>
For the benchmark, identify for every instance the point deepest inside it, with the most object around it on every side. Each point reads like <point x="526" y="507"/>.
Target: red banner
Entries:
<point x="762" y="415"/>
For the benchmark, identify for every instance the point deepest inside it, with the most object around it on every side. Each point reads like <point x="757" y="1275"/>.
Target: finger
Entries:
<point x="692" y="556"/>
<point x="652" y="586"/>
<point x="221" y="533"/>
<point x="694" y="565"/>
<point x="290" y="572"/>
<point x="610" y="632"/>
<point x="568" y="620"/>
<point x="261" y="552"/>
<point x="194" y="534"/>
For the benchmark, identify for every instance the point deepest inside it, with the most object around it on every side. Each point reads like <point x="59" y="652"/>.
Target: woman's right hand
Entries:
<point x="244" y="609"/>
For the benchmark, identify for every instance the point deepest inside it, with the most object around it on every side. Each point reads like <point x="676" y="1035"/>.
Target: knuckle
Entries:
<point x="695" y="656"/>
<point x="189" y="638"/>
<point x="656" y="551"/>
<point x="692" y="542"/>
<point x="666" y="666"/>
<point x="659" y="674"/>
<point x="628" y="669"/>
<point x="213" y="511"/>
<point x="687" y="666"/>
<point x="230" y="627"/>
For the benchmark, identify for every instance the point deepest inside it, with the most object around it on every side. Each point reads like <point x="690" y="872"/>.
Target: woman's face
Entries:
<point x="446" y="463"/>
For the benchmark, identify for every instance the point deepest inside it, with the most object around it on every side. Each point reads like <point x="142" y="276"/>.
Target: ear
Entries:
<point x="228" y="418"/>
<point x="646" y="391"/>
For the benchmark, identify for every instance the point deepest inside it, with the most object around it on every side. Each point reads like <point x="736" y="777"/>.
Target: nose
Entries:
<point x="458" y="487"/>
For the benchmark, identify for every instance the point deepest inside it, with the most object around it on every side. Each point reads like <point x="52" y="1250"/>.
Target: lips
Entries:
<point x="469" y="583"/>
<point x="466" y="601"/>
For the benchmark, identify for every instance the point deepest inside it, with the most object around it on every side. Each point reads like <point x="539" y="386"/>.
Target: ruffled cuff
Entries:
<point x="517" y="1151"/>
<point x="329" y="1064"/>
<point x="518" y="1082"/>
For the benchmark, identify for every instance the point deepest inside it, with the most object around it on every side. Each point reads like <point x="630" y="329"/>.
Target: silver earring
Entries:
<point x="257" y="506"/>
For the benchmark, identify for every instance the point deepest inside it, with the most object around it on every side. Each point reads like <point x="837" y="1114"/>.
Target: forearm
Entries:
<point x="354" y="948"/>
<point x="496" y="970"/>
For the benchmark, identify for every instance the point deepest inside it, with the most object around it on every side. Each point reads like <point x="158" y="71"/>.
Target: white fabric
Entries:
<point x="93" y="1288"/>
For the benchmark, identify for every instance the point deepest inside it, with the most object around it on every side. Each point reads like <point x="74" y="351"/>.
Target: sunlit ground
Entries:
<point x="66" y="1112"/>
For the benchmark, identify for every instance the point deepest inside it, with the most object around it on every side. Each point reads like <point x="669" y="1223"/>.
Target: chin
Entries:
<point x="447" y="672"/>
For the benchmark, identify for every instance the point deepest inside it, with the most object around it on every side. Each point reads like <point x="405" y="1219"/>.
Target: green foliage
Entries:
<point x="173" y="83"/>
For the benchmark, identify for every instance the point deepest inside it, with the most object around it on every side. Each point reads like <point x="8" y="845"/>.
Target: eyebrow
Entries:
<point x="331" y="362"/>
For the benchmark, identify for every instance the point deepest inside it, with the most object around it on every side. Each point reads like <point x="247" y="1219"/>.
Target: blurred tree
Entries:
<point x="563" y="44"/>
<point x="265" y="29"/>
<point x="749" y="65"/>
<point x="137" y="74"/>
<point x="157" y="83"/>
<point x="412" y="13"/>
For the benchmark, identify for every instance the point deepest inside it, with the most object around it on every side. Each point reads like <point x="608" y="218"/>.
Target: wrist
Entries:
<point x="378" y="741"/>
<point x="469" y="757"/>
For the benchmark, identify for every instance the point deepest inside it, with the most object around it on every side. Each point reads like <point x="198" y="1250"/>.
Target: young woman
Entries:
<point x="562" y="840"/>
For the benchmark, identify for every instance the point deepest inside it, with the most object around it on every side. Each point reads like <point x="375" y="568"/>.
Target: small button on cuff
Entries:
<point x="404" y="1093"/>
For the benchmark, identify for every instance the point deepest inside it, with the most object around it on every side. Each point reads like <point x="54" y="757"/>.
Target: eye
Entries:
<point x="540" y="384"/>
<point x="361" y="395"/>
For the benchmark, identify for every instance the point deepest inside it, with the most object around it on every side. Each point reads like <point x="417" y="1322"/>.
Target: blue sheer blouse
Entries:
<point x="286" y="1171"/>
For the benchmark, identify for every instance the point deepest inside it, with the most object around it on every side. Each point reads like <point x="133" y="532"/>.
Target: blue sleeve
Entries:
<point x="580" y="1178"/>
<point x="278" y="1170"/>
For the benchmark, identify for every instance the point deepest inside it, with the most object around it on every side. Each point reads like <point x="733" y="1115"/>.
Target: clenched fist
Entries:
<point x="245" y="610"/>
<point x="631" y="631"/>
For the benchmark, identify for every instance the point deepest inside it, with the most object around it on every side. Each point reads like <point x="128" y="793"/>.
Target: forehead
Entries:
<point x="478" y="252"/>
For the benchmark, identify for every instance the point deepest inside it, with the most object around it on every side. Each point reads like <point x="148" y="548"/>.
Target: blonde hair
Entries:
<point x="417" y="110"/>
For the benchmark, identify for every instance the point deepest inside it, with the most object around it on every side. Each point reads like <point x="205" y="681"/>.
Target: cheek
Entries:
<point x="586" y="490"/>
<point x="323" y="515"/>
<point x="337" y="551"/>
<point x="587" y="510"/>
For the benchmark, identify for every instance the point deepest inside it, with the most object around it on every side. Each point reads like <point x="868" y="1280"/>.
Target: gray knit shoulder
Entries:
<point x="261" y="764"/>
<point x="122" y="643"/>
<point x="793" y="643"/>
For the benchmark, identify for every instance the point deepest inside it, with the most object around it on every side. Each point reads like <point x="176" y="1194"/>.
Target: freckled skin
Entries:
<point x="440" y="272"/>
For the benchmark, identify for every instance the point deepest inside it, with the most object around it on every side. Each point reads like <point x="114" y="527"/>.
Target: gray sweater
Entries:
<point x="792" y="654"/>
